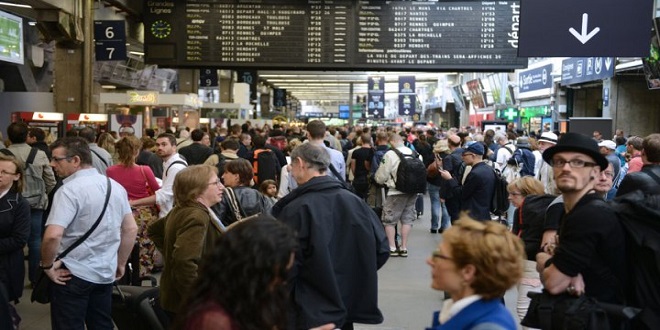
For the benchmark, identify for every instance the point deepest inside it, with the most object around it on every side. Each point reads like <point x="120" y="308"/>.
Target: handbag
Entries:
<point x="236" y="208"/>
<point x="40" y="292"/>
<point x="567" y="312"/>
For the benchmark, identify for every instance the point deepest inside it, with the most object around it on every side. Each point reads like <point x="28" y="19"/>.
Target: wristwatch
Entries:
<point x="41" y="265"/>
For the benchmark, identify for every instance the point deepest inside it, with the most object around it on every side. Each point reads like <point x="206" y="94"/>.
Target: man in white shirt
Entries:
<point x="172" y="164"/>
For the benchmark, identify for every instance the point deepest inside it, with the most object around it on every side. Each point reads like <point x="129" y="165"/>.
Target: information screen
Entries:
<point x="334" y="34"/>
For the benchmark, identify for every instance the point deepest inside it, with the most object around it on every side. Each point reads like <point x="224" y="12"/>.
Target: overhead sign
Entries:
<point x="11" y="38"/>
<point x="535" y="79"/>
<point x="376" y="96"/>
<point x="338" y="34"/>
<point x="585" y="28"/>
<point x="249" y="77"/>
<point x="279" y="97"/>
<point x="110" y="40"/>
<point x="142" y="98"/>
<point x="583" y="69"/>
<point x="407" y="104"/>
<point x="208" y="77"/>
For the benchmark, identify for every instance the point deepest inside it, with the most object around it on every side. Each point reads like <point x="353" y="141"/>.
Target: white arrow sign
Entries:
<point x="608" y="63"/>
<point x="583" y="37"/>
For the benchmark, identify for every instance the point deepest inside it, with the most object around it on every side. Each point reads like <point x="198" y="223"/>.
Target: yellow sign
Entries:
<point x="142" y="98"/>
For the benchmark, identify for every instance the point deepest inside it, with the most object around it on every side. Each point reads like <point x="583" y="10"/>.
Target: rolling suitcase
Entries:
<point x="138" y="307"/>
<point x="132" y="274"/>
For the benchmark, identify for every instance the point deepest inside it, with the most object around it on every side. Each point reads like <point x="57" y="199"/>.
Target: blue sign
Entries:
<point x="376" y="96"/>
<point x="208" y="77"/>
<point x="407" y="105"/>
<point x="249" y="77"/>
<point x="535" y="79"/>
<point x="585" y="28"/>
<point x="577" y="70"/>
<point x="110" y="40"/>
<point x="407" y="85"/>
<point x="606" y="96"/>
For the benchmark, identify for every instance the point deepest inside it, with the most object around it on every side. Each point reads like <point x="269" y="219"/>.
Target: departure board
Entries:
<point x="334" y="34"/>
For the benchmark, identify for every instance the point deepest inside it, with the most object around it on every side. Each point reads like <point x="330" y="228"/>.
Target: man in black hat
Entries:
<point x="590" y="255"/>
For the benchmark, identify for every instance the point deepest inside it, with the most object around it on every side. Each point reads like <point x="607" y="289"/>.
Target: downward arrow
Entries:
<point x="584" y="36"/>
<point x="608" y="62"/>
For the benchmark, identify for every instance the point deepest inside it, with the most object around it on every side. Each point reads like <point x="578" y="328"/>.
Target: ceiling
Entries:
<point x="302" y="85"/>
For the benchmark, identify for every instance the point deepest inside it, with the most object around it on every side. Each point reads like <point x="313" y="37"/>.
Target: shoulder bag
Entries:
<point x="236" y="208"/>
<point x="40" y="292"/>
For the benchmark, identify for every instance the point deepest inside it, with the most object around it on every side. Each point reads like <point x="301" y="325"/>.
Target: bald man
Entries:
<point x="454" y="164"/>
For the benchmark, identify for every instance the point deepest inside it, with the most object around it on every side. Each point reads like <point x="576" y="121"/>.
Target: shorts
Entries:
<point x="399" y="208"/>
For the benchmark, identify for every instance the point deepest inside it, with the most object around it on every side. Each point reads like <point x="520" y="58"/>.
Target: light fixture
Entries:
<point x="32" y="23"/>
<point x="108" y="86"/>
<point x="136" y="53"/>
<point x="3" y="3"/>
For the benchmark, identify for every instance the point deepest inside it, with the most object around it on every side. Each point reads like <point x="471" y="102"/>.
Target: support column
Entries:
<point x="67" y="79"/>
<point x="87" y="60"/>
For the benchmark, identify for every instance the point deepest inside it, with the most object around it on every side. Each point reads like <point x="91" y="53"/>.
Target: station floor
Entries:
<point x="405" y="295"/>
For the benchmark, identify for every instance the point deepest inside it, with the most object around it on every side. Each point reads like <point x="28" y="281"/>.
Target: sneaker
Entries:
<point x="403" y="253"/>
<point x="434" y="231"/>
<point x="394" y="253"/>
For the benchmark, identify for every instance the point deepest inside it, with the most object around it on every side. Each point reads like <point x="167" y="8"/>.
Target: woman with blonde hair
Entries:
<point x="475" y="263"/>
<point x="139" y="182"/>
<point x="187" y="233"/>
<point x="527" y="195"/>
<point x="107" y="142"/>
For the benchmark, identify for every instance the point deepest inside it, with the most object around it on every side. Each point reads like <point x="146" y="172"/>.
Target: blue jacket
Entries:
<point x="480" y="315"/>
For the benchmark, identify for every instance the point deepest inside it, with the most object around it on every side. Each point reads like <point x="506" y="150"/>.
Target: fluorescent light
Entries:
<point x="32" y="23"/>
<point x="136" y="53"/>
<point x="108" y="86"/>
<point x="2" y="3"/>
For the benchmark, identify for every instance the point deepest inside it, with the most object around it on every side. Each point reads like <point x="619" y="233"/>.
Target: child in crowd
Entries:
<point x="269" y="189"/>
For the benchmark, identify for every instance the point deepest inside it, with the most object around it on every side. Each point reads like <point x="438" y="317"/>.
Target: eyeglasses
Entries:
<point x="59" y="159"/>
<point x="439" y="255"/>
<point x="3" y="173"/>
<point x="608" y="174"/>
<point x="574" y="163"/>
<point x="216" y="182"/>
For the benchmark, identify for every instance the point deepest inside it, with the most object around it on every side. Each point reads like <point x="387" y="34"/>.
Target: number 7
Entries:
<point x="110" y="50"/>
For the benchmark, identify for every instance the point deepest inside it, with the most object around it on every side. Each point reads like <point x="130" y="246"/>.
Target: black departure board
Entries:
<point x="334" y="34"/>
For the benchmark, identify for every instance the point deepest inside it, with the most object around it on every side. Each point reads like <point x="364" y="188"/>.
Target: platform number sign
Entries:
<point x="279" y="99"/>
<point x="249" y="77"/>
<point x="208" y="77"/>
<point x="110" y="40"/>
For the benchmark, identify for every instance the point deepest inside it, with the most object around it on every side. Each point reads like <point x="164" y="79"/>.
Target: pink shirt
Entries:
<point x="635" y="164"/>
<point x="132" y="179"/>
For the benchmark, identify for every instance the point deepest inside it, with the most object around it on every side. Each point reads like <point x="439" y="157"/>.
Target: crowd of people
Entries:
<point x="302" y="219"/>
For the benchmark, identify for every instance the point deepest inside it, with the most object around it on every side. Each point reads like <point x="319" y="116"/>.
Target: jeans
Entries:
<point x="34" y="243"/>
<point x="438" y="208"/>
<point x="80" y="303"/>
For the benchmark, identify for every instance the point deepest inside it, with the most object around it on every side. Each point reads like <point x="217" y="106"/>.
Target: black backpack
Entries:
<point x="265" y="166"/>
<point x="222" y="160"/>
<point x="411" y="174"/>
<point x="500" y="203"/>
<point x="639" y="215"/>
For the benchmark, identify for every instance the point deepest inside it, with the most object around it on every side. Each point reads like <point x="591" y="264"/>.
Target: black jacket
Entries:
<point x="150" y="159"/>
<point x="640" y="180"/>
<point x="250" y="200"/>
<point x="530" y="226"/>
<point x="14" y="231"/>
<point x="196" y="153"/>
<point x="477" y="191"/>
<point x="342" y="245"/>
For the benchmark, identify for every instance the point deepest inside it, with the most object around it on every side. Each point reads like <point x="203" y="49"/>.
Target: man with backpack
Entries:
<point x="589" y="258"/>
<point x="453" y="163"/>
<point x="477" y="191"/>
<point x="523" y="158"/>
<point x="648" y="179"/>
<point x="228" y="152"/>
<point x="39" y="181"/>
<point x="101" y="159"/>
<point x="402" y="171"/>
<point x="264" y="161"/>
